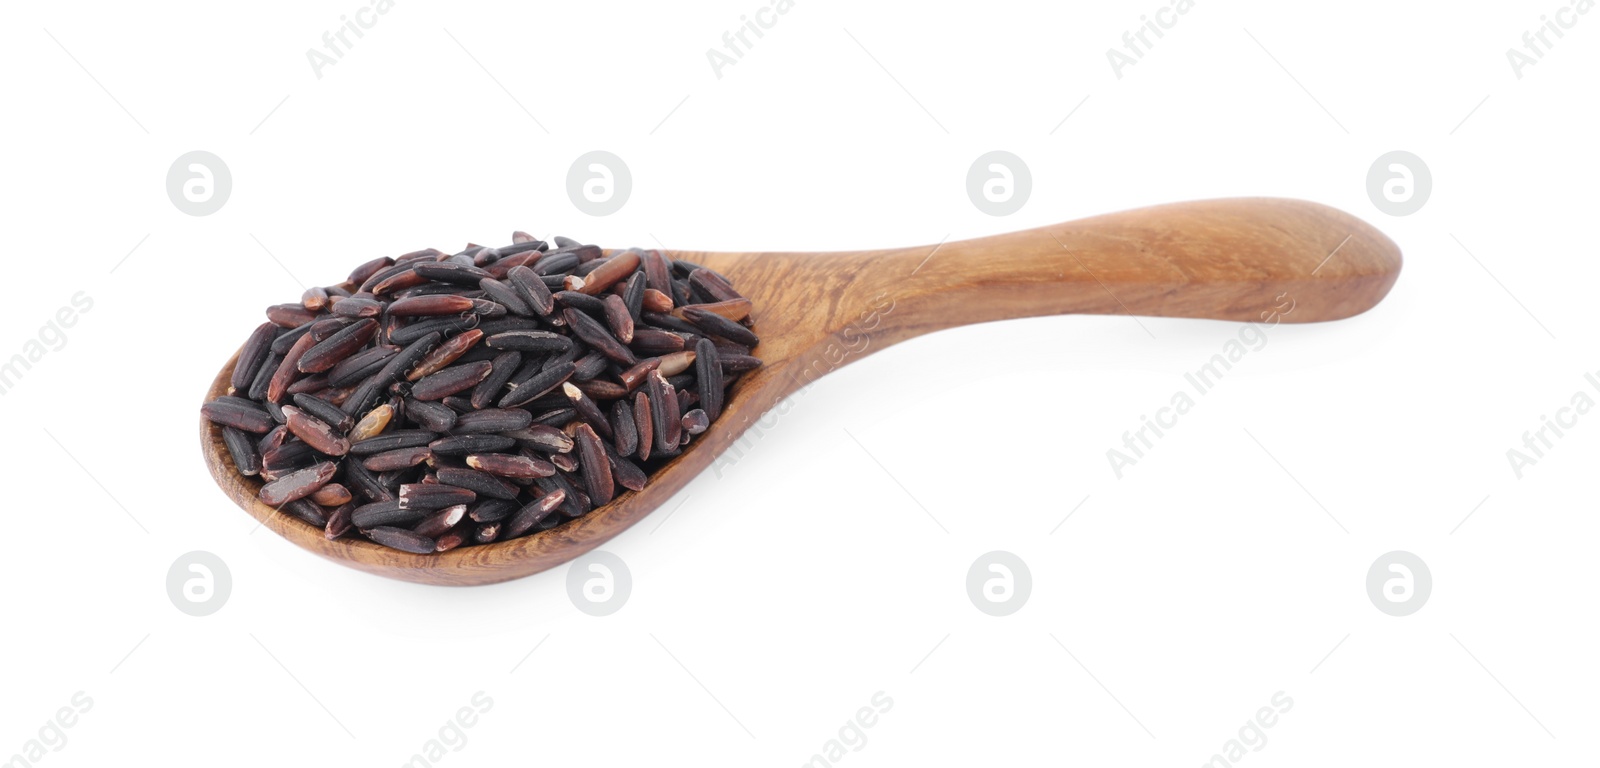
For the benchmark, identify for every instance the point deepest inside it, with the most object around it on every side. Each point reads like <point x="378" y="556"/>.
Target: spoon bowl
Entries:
<point x="1246" y="260"/>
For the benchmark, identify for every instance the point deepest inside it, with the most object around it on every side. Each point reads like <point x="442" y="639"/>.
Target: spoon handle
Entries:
<point x="1248" y="259"/>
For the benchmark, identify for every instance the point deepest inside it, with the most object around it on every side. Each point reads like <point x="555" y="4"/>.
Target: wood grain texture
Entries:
<point x="1221" y="259"/>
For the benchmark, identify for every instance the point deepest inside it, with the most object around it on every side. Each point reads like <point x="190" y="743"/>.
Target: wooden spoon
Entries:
<point x="1239" y="259"/>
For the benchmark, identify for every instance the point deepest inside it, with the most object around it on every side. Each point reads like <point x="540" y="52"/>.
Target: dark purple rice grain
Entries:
<point x="364" y="482"/>
<point x="441" y="325"/>
<point x="649" y="341"/>
<point x="737" y="364"/>
<point x="242" y="447"/>
<point x="656" y="270"/>
<point x="339" y="522"/>
<point x="481" y="483"/>
<point x="571" y="505"/>
<point x="388" y="512"/>
<point x="273" y="439"/>
<point x="492" y="510"/>
<point x="239" y="415"/>
<point x="326" y="411"/>
<point x="399" y="458"/>
<point x="393" y="480"/>
<point x="492" y="420"/>
<point x="524" y="392"/>
<point x="633" y="377"/>
<point x="430" y="415"/>
<point x="443" y="520"/>
<point x="461" y="445"/>
<point x="540" y="342"/>
<point x="618" y="318"/>
<point x="708" y="379"/>
<point x="509" y="465"/>
<point x="289" y="315"/>
<point x="449" y="272"/>
<point x="521" y="242"/>
<point x="664" y="412"/>
<point x="450" y="381"/>
<point x="338" y="346"/>
<point x="695" y="422"/>
<point x="595" y="466"/>
<point x="602" y="390"/>
<point x="360" y="274"/>
<point x="445" y="354"/>
<point x="360" y="365"/>
<point x="556" y="263"/>
<point x="297" y="484"/>
<point x="502" y="368"/>
<point x="309" y="511"/>
<point x="315" y="432"/>
<point x="543" y="438"/>
<point x="263" y="379"/>
<point x="357" y="307"/>
<point x="505" y="295"/>
<point x="556" y="417"/>
<point x="434" y="495"/>
<point x="288" y="338"/>
<point x="322" y="329"/>
<point x="713" y="286"/>
<point x="291" y="455"/>
<point x="486" y="533"/>
<point x="501" y="325"/>
<point x="550" y="522"/>
<point x="401" y="539"/>
<point x="400" y="438"/>
<point x="313" y="383"/>
<point x="332" y="495"/>
<point x="479" y="353"/>
<point x="252" y="355"/>
<point x="717" y="325"/>
<point x="533" y="512"/>
<point x="531" y="289"/>
<point x="596" y="335"/>
<point x="587" y="410"/>
<point x="589" y="366"/>
<point x="655" y="301"/>
<point x="644" y="423"/>
<point x="633" y="295"/>
<point x="626" y="473"/>
<point x="583" y="302"/>
<point x="625" y="435"/>
<point x="680" y="381"/>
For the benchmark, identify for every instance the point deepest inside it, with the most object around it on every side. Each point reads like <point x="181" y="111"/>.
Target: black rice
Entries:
<point x="433" y="401"/>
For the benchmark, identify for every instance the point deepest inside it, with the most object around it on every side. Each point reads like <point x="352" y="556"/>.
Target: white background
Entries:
<point x="778" y="598"/>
